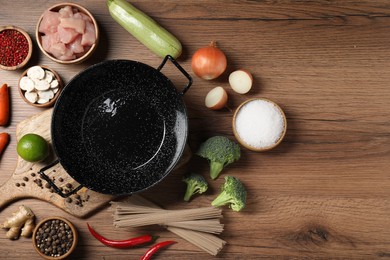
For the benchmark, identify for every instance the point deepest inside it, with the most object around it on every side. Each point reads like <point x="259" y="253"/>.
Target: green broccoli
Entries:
<point x="220" y="151"/>
<point x="195" y="184"/>
<point x="233" y="193"/>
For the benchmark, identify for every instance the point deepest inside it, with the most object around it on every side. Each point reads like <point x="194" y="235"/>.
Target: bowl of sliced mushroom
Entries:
<point x="40" y="86"/>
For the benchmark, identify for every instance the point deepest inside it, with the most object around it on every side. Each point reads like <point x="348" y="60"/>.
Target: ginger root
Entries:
<point x="20" y="220"/>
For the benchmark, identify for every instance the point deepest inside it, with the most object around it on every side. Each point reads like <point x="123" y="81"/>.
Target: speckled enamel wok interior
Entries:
<point x="119" y="127"/>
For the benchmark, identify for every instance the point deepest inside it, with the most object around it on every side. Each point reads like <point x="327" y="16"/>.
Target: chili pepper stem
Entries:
<point x="154" y="238"/>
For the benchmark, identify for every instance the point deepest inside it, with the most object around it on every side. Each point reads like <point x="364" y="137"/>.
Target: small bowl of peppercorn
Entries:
<point x="15" y="47"/>
<point x="55" y="238"/>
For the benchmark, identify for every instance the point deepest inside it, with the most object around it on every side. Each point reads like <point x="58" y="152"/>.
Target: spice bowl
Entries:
<point x="259" y="124"/>
<point x="19" y="47"/>
<point x="42" y="95"/>
<point x="73" y="43"/>
<point x="55" y="238"/>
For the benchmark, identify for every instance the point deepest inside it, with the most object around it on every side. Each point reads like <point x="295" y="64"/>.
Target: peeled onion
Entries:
<point x="241" y="81"/>
<point x="209" y="62"/>
<point x="216" y="98"/>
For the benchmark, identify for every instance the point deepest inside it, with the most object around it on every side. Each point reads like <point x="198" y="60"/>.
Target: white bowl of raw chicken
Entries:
<point x="67" y="33"/>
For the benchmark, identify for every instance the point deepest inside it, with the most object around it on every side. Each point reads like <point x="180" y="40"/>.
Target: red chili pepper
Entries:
<point x="4" y="104"/>
<point x="122" y="243"/>
<point x="155" y="248"/>
<point x="4" y="140"/>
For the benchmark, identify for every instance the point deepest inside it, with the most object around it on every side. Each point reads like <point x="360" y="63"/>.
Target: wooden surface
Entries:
<point x="324" y="192"/>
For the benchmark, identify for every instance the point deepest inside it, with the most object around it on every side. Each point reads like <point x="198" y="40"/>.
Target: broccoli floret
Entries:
<point x="220" y="151"/>
<point x="233" y="193"/>
<point x="195" y="184"/>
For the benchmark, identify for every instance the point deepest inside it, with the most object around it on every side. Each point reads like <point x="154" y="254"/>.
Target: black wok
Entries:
<point x="119" y="127"/>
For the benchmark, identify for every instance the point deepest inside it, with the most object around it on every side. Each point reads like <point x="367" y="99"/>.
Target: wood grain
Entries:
<point x="321" y="194"/>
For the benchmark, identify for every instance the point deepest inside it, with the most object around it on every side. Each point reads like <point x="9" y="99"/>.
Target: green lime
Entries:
<point x="33" y="148"/>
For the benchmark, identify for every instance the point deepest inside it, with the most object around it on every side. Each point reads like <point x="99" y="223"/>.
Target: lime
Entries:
<point x="33" y="148"/>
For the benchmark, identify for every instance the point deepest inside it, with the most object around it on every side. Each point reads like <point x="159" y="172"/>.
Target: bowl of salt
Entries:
<point x="259" y="124"/>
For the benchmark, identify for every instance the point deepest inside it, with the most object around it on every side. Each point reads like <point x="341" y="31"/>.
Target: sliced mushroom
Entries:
<point x="41" y="84"/>
<point x="31" y="96"/>
<point x="42" y="101"/>
<point x="47" y="94"/>
<point x="26" y="84"/>
<point x="49" y="76"/>
<point x="54" y="84"/>
<point x="36" y="72"/>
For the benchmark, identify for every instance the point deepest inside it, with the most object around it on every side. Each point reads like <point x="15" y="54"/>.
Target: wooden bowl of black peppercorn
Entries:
<point x="55" y="238"/>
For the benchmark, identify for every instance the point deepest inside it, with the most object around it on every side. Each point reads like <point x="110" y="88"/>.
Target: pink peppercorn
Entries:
<point x="13" y="47"/>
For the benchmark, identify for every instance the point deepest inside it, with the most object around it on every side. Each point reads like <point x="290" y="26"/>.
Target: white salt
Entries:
<point x="259" y="123"/>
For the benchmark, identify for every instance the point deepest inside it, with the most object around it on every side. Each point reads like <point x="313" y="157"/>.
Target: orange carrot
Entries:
<point x="4" y="104"/>
<point x="4" y="139"/>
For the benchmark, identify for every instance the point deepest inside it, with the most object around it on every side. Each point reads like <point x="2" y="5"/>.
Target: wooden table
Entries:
<point x="324" y="192"/>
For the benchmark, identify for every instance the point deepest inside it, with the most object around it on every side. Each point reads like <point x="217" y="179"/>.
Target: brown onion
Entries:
<point x="209" y="62"/>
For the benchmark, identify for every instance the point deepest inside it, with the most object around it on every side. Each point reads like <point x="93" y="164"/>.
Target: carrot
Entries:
<point x="4" y="139"/>
<point x="4" y="104"/>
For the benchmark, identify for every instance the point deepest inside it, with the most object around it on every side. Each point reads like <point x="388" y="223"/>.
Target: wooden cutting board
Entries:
<point x="26" y="183"/>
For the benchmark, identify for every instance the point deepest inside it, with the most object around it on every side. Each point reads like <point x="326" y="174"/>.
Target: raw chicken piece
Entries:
<point x="76" y="46"/>
<point x="66" y="12"/>
<point x="58" y="49"/>
<point x="48" y="40"/>
<point x="61" y="52"/>
<point x="82" y="16"/>
<point x="89" y="37"/>
<point x="77" y="24"/>
<point x="68" y="55"/>
<point x="64" y="57"/>
<point x="86" y="49"/>
<point x="85" y="17"/>
<point x="49" y="23"/>
<point x="67" y="35"/>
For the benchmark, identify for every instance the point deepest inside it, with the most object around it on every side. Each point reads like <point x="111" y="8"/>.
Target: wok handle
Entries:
<point x="52" y="184"/>
<point x="169" y="57"/>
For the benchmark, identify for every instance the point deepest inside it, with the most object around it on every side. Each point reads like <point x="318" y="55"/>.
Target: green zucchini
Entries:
<point x="144" y="29"/>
